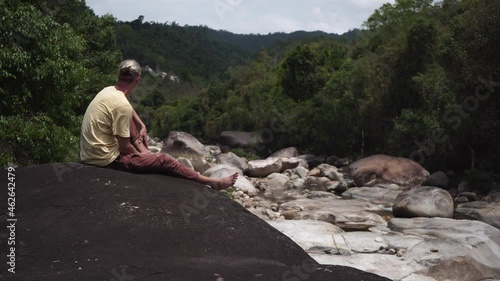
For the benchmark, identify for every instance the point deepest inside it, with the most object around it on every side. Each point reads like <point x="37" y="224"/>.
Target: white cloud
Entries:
<point x="247" y="16"/>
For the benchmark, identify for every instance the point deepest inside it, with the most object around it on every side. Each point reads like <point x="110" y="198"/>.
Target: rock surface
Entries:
<point x="488" y="212"/>
<point x="89" y="223"/>
<point x="433" y="249"/>
<point x="376" y="195"/>
<point x="348" y="214"/>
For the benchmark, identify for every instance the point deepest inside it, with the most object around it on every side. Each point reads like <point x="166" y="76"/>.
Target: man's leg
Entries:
<point x="163" y="164"/>
<point x="135" y="139"/>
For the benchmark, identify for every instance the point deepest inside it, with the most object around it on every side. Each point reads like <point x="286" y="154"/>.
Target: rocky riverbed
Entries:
<point x="380" y="214"/>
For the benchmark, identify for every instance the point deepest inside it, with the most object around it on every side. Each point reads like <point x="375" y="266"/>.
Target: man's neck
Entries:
<point x="123" y="87"/>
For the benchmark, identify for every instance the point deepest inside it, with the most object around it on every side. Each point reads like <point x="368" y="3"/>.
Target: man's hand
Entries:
<point x="125" y="146"/>
<point x="144" y="135"/>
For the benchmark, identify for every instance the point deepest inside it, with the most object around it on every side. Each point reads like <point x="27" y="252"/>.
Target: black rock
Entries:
<point x="437" y="179"/>
<point x="78" y="222"/>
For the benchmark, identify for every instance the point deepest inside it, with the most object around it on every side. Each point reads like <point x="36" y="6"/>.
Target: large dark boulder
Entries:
<point x="78" y="222"/>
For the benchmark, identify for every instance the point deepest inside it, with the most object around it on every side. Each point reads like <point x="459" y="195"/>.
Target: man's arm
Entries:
<point x="125" y="146"/>
<point x="138" y="122"/>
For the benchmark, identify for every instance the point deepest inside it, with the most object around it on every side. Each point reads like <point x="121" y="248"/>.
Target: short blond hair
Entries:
<point x="129" y="70"/>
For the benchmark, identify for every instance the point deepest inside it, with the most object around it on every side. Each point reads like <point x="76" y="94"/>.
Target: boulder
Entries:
<point x="101" y="224"/>
<point x="488" y="212"/>
<point x="186" y="162"/>
<point x="423" y="201"/>
<point x="236" y="139"/>
<point x="333" y="174"/>
<point x="222" y="170"/>
<point x="277" y="181"/>
<point x="321" y="184"/>
<point x="301" y="172"/>
<point x="263" y="168"/>
<point x="232" y="159"/>
<point x="380" y="168"/>
<point x="180" y="144"/>
<point x="437" y="179"/>
<point x="289" y="163"/>
<point x="286" y="153"/>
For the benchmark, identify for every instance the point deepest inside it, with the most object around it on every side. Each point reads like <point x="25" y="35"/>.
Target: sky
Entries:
<point x="247" y="16"/>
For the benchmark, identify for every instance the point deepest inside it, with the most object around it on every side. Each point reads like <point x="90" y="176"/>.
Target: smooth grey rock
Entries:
<point x="423" y="201"/>
<point x="277" y="181"/>
<point x="471" y="196"/>
<point x="348" y="214"/>
<point x="289" y="163"/>
<point x="181" y="144"/>
<point x="232" y="159"/>
<point x="263" y="168"/>
<point x="488" y="212"/>
<point x="186" y="162"/>
<point x="286" y="153"/>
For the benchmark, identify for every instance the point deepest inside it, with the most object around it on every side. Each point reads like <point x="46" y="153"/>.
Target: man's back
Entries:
<point x="108" y="114"/>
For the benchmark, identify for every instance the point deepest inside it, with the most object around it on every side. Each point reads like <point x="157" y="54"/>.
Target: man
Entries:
<point x="110" y="138"/>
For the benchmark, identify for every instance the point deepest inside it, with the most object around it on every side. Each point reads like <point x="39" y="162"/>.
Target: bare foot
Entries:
<point x="223" y="183"/>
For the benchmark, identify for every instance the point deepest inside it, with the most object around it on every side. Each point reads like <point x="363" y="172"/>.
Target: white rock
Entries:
<point x="263" y="168"/>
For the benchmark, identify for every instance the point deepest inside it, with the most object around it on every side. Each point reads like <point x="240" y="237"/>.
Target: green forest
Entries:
<point x="420" y="80"/>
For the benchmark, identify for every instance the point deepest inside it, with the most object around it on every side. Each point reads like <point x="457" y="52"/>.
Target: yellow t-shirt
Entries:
<point x="109" y="114"/>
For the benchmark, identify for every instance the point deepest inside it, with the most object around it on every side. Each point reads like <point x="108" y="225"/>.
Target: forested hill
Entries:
<point x="420" y="81"/>
<point x="255" y="42"/>
<point x="198" y="51"/>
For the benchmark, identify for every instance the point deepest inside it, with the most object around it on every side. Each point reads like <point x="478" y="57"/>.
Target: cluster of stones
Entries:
<point x="381" y="214"/>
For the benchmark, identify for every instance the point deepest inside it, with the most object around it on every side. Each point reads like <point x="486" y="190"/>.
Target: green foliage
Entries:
<point x="479" y="179"/>
<point x="53" y="60"/>
<point x="420" y="66"/>
<point x="30" y="141"/>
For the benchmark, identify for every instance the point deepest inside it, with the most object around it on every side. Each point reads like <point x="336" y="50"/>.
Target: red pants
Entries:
<point x="157" y="163"/>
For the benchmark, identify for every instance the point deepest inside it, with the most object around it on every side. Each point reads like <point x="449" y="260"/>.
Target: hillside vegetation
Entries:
<point x="419" y="81"/>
